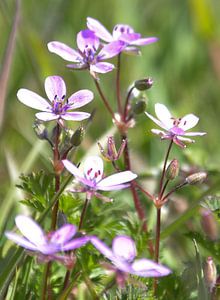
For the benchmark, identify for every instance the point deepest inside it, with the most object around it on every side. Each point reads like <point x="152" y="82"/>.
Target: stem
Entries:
<point x="118" y="84"/>
<point x="174" y="190"/>
<point x="45" y="278"/>
<point x="83" y="213"/>
<point x="127" y="102"/>
<point x="157" y="245"/>
<point x="144" y="191"/>
<point x="105" y="101"/>
<point x="164" y="188"/>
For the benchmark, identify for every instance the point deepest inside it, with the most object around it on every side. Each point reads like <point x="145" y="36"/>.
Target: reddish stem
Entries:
<point x="118" y="90"/>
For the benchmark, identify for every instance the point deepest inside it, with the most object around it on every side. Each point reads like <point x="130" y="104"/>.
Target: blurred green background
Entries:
<point x="184" y="63"/>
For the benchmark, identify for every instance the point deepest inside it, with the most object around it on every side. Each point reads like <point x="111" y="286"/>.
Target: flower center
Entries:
<point x="59" y="105"/>
<point x="93" y="175"/>
<point x="89" y="54"/>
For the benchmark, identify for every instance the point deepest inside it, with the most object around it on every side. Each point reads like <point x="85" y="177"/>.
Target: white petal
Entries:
<point x="75" y="116"/>
<point x="124" y="247"/>
<point x="102" y="67"/>
<point x="195" y="133"/>
<point x="181" y="138"/>
<point x="93" y="168"/>
<point x="102" y="247"/>
<point x="46" y="116"/>
<point x="188" y="121"/>
<point x="117" y="178"/>
<point x="63" y="234"/>
<point x="55" y="88"/>
<point x="158" y="132"/>
<point x="147" y="268"/>
<point x="64" y="51"/>
<point x="80" y="98"/>
<point x="33" y="100"/>
<point x="99" y="29"/>
<point x="31" y="230"/>
<point x="156" y="121"/>
<point x="164" y="115"/>
<point x="20" y="241"/>
<point x="112" y="187"/>
<point x="72" y="168"/>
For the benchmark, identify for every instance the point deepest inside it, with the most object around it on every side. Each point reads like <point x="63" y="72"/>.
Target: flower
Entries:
<point x="88" y="55"/>
<point x="122" y="256"/>
<point x="175" y="128"/>
<point x="121" y="32"/>
<point x="92" y="177"/>
<point x="58" y="107"/>
<point x="36" y="240"/>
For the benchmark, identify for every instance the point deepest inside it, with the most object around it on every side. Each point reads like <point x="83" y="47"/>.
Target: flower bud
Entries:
<point x="172" y="170"/>
<point x="78" y="136"/>
<point x="143" y="84"/>
<point x="209" y="224"/>
<point x="210" y="273"/>
<point x="139" y="107"/>
<point x="112" y="153"/>
<point x="40" y="130"/>
<point x="196" y="178"/>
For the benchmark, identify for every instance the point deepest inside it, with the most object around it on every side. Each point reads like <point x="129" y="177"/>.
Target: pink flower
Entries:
<point x="58" y="106"/>
<point x="175" y="128"/>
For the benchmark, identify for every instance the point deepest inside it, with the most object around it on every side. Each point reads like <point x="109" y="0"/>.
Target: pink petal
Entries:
<point x="147" y="268"/>
<point x="55" y="88"/>
<point x="164" y="115"/>
<point x="63" y="235"/>
<point x="110" y="50"/>
<point x="102" y="247"/>
<point x="99" y="29"/>
<point x="33" y="100"/>
<point x="20" y="241"/>
<point x="188" y="121"/>
<point x="124" y="247"/>
<point x="64" y="51"/>
<point x="156" y="121"/>
<point x="117" y="178"/>
<point x="80" y="98"/>
<point x="76" y="243"/>
<point x="93" y="168"/>
<point x="31" y="230"/>
<point x="72" y="168"/>
<point x="75" y="116"/>
<point x="195" y="133"/>
<point x="87" y="38"/>
<point x="129" y="37"/>
<point x="102" y="67"/>
<point x="144" y="41"/>
<point x="46" y="116"/>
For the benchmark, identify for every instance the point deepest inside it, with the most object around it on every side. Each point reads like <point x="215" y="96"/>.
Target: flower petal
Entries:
<point x="158" y="132"/>
<point x="102" y="67"/>
<point x="20" y="241"/>
<point x="64" y="51"/>
<point x="130" y="37"/>
<point x="148" y="268"/>
<point x="80" y="98"/>
<point x="80" y="66"/>
<point x="113" y="187"/>
<point x="164" y="115"/>
<point x="181" y="138"/>
<point x="117" y="178"/>
<point x="75" y="116"/>
<point x="120" y="29"/>
<point x="55" y="88"/>
<point x="33" y="100"/>
<point x="93" y="168"/>
<point x="188" y="121"/>
<point x="144" y="41"/>
<point x="99" y="30"/>
<point x="195" y="133"/>
<point x="31" y="230"/>
<point x="46" y="116"/>
<point x="156" y="121"/>
<point x="110" y="50"/>
<point x="102" y="247"/>
<point x="63" y="234"/>
<point x="124" y="247"/>
<point x="87" y="38"/>
<point x="72" y="168"/>
<point x="76" y="243"/>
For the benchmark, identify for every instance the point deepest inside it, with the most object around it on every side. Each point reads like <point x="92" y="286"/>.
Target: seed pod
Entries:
<point x="139" y="107"/>
<point x="196" y="178"/>
<point x="143" y="84"/>
<point x="209" y="224"/>
<point x="78" y="136"/>
<point x="172" y="170"/>
<point x="210" y="273"/>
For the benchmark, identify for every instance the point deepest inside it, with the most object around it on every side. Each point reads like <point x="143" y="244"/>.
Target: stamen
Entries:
<point x="55" y="97"/>
<point x="89" y="171"/>
<point x="63" y="97"/>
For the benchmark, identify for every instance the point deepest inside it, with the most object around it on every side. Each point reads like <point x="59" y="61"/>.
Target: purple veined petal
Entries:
<point x="64" y="51"/>
<point x="20" y="241"/>
<point x="120" y="29"/>
<point x="80" y="98"/>
<point x="158" y="132"/>
<point x="188" y="122"/>
<point x="118" y="178"/>
<point x="102" y="67"/>
<point x="93" y="168"/>
<point x="195" y="133"/>
<point x="110" y="50"/>
<point x="87" y="38"/>
<point x="129" y="37"/>
<point x="55" y="88"/>
<point x="49" y="248"/>
<point x="31" y="230"/>
<point x="46" y="116"/>
<point x="102" y="247"/>
<point x="124" y="247"/>
<point x="156" y="121"/>
<point x="72" y="168"/>
<point x="164" y="115"/>
<point x="144" y="41"/>
<point x="99" y="30"/>
<point x="63" y="234"/>
<point x="33" y="100"/>
<point x="113" y="187"/>
<point x="76" y="243"/>
<point x="75" y="116"/>
<point x="148" y="268"/>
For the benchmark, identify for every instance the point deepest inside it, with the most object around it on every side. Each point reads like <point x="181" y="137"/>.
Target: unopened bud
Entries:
<point x="78" y="136"/>
<point x="210" y="273"/>
<point x="139" y="107"/>
<point x="196" y="178"/>
<point x="172" y="170"/>
<point x="209" y="224"/>
<point x="143" y="84"/>
<point x="40" y="130"/>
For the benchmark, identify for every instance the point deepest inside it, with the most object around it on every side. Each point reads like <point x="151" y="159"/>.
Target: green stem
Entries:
<point x="157" y="245"/>
<point x="127" y="102"/>
<point x="45" y="279"/>
<point x="83" y="213"/>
